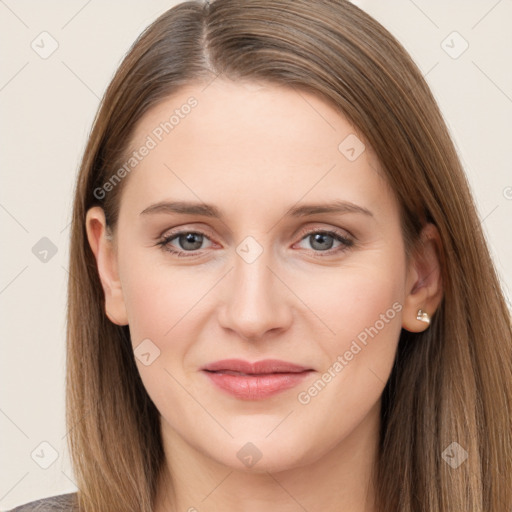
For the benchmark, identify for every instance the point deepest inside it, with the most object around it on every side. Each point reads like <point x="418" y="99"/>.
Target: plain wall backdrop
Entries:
<point x="57" y="58"/>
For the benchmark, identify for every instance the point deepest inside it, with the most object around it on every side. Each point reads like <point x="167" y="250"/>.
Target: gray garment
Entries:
<point x="60" y="503"/>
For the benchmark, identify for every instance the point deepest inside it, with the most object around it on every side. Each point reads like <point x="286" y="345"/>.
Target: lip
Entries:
<point x="258" y="367"/>
<point x="255" y="381"/>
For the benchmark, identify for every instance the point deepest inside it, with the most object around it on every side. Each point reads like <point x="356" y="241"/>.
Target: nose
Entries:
<point x="256" y="301"/>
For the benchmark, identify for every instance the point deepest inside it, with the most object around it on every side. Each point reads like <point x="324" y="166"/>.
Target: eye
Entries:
<point x="187" y="241"/>
<point x="324" y="241"/>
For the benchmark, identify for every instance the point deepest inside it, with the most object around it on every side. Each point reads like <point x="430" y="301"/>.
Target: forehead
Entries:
<point x="244" y="139"/>
<point x="235" y="109"/>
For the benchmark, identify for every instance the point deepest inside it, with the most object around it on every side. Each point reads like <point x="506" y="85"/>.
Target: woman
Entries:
<point x="281" y="294"/>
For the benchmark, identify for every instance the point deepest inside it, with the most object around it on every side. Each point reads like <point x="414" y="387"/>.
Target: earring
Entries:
<point x="423" y="316"/>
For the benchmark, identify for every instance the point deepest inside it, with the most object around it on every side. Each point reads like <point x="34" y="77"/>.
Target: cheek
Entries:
<point x="350" y="299"/>
<point x="156" y="297"/>
<point x="160" y="304"/>
<point x="363" y="308"/>
<point x="346" y="301"/>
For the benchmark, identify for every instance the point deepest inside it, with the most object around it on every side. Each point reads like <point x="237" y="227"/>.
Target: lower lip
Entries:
<point x="256" y="387"/>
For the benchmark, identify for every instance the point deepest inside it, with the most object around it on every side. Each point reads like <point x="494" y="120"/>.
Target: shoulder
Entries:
<point x="60" y="503"/>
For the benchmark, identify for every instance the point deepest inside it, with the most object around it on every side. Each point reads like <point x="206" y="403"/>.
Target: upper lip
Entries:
<point x="258" y="367"/>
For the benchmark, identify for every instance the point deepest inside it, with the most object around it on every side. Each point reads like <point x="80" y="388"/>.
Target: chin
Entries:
<point x="260" y="454"/>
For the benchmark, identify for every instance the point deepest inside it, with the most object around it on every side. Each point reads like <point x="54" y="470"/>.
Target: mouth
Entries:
<point x="265" y="366"/>
<point x="255" y="381"/>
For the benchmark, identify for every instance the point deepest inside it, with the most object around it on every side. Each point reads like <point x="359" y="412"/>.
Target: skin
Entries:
<point x="254" y="151"/>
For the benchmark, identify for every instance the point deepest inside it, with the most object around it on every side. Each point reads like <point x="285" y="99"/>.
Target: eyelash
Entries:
<point x="346" y="243"/>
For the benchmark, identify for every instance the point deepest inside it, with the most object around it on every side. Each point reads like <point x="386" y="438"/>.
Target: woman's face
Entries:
<point x="216" y="258"/>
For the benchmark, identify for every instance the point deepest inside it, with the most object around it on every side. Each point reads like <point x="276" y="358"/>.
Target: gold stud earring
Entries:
<point x="423" y="316"/>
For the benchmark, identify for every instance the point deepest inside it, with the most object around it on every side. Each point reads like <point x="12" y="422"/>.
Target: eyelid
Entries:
<point x="187" y="228"/>
<point x="346" y="239"/>
<point x="167" y="236"/>
<point x="308" y="230"/>
<point x="303" y="231"/>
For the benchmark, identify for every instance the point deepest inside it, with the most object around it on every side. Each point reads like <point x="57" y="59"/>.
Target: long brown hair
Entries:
<point x="450" y="384"/>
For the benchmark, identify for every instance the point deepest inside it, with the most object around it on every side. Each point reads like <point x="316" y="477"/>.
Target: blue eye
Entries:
<point x="188" y="241"/>
<point x="322" y="242"/>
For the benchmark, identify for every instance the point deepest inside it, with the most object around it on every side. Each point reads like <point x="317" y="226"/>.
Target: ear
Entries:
<point x="103" y="247"/>
<point x="423" y="284"/>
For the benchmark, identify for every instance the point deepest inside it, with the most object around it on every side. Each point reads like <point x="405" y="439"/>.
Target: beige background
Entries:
<point x="47" y="107"/>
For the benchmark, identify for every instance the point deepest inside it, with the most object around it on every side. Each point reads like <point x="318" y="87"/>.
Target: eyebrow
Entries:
<point x="208" y="210"/>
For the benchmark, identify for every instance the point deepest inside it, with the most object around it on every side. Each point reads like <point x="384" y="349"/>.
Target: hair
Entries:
<point x="450" y="383"/>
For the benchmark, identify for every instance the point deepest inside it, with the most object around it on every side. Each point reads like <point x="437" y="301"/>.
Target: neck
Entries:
<point x="340" y="480"/>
